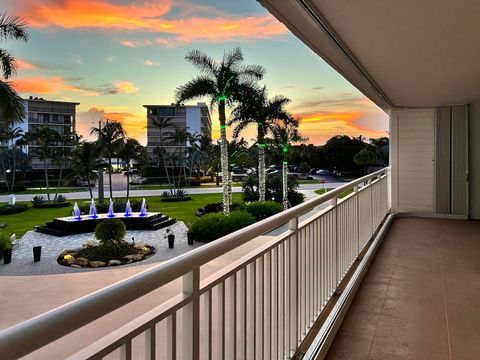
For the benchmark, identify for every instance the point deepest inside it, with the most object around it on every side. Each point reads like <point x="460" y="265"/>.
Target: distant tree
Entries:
<point x="223" y="83"/>
<point x="14" y="138"/>
<point x="179" y="137"/>
<point x="11" y="27"/>
<point x="132" y="150"/>
<point x="45" y="138"/>
<point x="110" y="139"/>
<point x="163" y="124"/>
<point x="85" y="159"/>
<point x="367" y="156"/>
<point x="340" y="150"/>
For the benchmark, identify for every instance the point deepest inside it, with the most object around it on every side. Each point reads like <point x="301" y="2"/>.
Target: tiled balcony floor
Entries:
<point x="420" y="298"/>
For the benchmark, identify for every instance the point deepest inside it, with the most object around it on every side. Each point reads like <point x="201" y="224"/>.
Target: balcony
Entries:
<point x="419" y="299"/>
<point x="250" y="294"/>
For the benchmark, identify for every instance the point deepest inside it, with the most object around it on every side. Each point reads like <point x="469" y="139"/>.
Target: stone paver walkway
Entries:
<point x="22" y="257"/>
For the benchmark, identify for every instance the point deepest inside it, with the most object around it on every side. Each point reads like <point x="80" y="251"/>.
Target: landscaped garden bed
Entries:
<point x="111" y="249"/>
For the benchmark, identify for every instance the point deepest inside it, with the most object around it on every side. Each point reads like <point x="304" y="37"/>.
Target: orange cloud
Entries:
<point x="42" y="85"/>
<point x="126" y="87"/>
<point x="25" y="65"/>
<point x="147" y="17"/>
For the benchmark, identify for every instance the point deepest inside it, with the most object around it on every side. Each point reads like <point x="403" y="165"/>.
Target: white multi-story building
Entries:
<point x="57" y="115"/>
<point x="193" y="118"/>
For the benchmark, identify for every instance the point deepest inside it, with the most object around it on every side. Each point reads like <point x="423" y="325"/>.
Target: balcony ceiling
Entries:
<point x="416" y="53"/>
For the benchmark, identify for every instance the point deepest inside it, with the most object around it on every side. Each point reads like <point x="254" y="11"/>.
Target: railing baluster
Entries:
<point x="275" y="324"/>
<point x="150" y="343"/>
<point x="191" y="316"/>
<point x="171" y="337"/>
<point x="231" y="350"/>
<point x="294" y="273"/>
<point x="220" y="310"/>
<point x="251" y="312"/>
<point x="267" y="301"/>
<point x="126" y="350"/>
<point x="241" y="339"/>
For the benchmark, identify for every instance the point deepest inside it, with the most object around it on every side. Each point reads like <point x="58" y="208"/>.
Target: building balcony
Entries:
<point x="259" y="293"/>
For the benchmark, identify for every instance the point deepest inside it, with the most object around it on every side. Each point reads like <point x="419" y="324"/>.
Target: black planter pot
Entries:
<point x="171" y="240"/>
<point x="37" y="253"/>
<point x="189" y="239"/>
<point x="7" y="256"/>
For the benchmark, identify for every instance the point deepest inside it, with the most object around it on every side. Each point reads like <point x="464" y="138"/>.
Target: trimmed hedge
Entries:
<point x="213" y="226"/>
<point x="176" y="198"/>
<point x="9" y="210"/>
<point x="51" y="205"/>
<point x="263" y="209"/>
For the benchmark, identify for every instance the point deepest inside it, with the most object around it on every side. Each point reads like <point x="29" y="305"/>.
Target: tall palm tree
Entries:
<point x="85" y="161"/>
<point x="162" y="124"/>
<point x="45" y="138"/>
<point x="258" y="109"/>
<point x="179" y="137"/>
<point x="63" y="155"/>
<point x="285" y="134"/>
<point x="132" y="150"/>
<point x="223" y="82"/>
<point x="11" y="28"/>
<point x="13" y="138"/>
<point x="109" y="139"/>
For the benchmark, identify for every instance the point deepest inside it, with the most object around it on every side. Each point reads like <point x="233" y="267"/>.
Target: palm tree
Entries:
<point x="63" y="155"/>
<point x="223" y="82"/>
<point x="85" y="160"/>
<point x="132" y="150"/>
<point x="285" y="134"/>
<point x="179" y="137"/>
<point x="11" y="27"/>
<point x="162" y="124"/>
<point x="258" y="109"/>
<point x="109" y="140"/>
<point x="45" y="139"/>
<point x="14" y="139"/>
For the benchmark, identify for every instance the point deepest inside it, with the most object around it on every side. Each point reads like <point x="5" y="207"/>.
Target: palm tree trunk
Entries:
<point x="5" y="175"/>
<point x="285" y="184"/>
<point x="59" y="179"/>
<point x="89" y="187"/>
<point x="128" y="183"/>
<point x="110" y="176"/>
<point x="261" y="173"/>
<point x="14" y="169"/>
<point x="224" y="158"/>
<point x="46" y="178"/>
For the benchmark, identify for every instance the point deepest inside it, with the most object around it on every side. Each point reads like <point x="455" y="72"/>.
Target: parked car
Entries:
<point x="137" y="180"/>
<point x="313" y="171"/>
<point x="324" y="172"/>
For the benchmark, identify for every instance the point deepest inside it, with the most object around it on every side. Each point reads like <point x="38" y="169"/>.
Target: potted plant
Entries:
<point x="37" y="253"/>
<point x="6" y="248"/>
<point x="171" y="238"/>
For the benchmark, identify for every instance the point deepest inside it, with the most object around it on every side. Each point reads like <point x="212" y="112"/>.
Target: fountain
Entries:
<point x="76" y="212"/>
<point x="143" y="208"/>
<point x="93" y="210"/>
<point x="110" y="214"/>
<point x="128" y="209"/>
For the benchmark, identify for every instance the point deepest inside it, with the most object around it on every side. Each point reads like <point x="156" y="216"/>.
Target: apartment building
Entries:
<point x="194" y="118"/>
<point x="57" y="115"/>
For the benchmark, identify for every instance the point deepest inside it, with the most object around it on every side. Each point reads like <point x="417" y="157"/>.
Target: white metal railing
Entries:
<point x="260" y="306"/>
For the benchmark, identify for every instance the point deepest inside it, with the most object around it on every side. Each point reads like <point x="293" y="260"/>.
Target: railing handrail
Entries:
<point x="45" y="328"/>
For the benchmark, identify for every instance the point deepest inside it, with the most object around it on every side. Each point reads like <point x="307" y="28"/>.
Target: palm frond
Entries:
<point x="13" y="27"/>
<point x="255" y="72"/>
<point x="202" y="61"/>
<point x="199" y="87"/>
<point x="11" y="103"/>
<point x="7" y="63"/>
<point x="232" y="57"/>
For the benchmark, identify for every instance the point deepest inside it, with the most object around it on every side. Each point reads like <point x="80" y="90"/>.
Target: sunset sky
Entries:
<point x="113" y="56"/>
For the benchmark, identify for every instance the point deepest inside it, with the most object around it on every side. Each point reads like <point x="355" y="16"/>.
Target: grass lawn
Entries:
<point x="342" y="195"/>
<point x="184" y="211"/>
<point x="166" y="187"/>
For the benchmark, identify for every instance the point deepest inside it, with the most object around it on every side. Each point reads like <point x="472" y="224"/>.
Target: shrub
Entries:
<point x="274" y="189"/>
<point x="60" y="198"/>
<point x="5" y="243"/>
<point x="15" y="209"/>
<point x="39" y="199"/>
<point x="50" y="205"/>
<point x="263" y="209"/>
<point x="110" y="232"/>
<point x="215" y="225"/>
<point x="217" y="207"/>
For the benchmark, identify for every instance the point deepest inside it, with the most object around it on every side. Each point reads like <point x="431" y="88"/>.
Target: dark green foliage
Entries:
<point x="50" y="205"/>
<point x="8" y="210"/>
<point x="274" y="189"/>
<point x="217" y="207"/>
<point x="263" y="209"/>
<point x="106" y="253"/>
<point x="60" y="198"/>
<point x="39" y="199"/>
<point x="110" y="232"/>
<point x="213" y="226"/>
